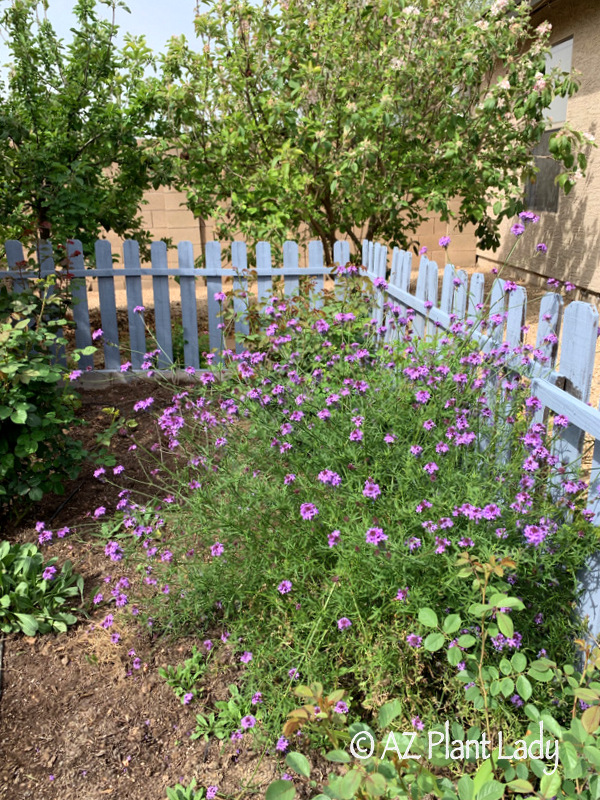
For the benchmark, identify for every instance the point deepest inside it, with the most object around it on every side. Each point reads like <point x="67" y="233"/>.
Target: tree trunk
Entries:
<point x="202" y="229"/>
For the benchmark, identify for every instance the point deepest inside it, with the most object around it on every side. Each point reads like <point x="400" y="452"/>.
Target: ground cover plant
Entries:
<point x="34" y="594"/>
<point x="327" y="507"/>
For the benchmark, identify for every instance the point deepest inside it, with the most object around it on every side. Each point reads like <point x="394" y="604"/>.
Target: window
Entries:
<point x="542" y="195"/>
<point x="561" y="56"/>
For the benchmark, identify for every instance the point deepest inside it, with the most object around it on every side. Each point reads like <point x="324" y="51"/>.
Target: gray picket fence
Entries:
<point x="562" y="386"/>
<point x="105" y="273"/>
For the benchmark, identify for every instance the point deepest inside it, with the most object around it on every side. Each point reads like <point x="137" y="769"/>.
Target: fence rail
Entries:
<point x="562" y="386"/>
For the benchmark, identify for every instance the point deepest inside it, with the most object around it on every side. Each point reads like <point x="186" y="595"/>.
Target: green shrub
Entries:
<point x="38" y="411"/>
<point x="35" y="597"/>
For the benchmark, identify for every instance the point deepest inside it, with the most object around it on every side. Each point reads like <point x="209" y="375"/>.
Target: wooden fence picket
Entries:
<point x="315" y="260"/>
<point x="264" y="272"/>
<point x="81" y="314"/>
<point x="133" y="283"/>
<point x="290" y="261"/>
<point x="189" y="310"/>
<point x="214" y="285"/>
<point x="14" y="257"/>
<point x="162" y="304"/>
<point x="447" y="289"/>
<point x="461" y="294"/>
<point x="421" y="294"/>
<point x="578" y="349"/>
<point x="515" y="318"/>
<point x="431" y="293"/>
<point x="47" y="269"/>
<point x="108" y="304"/>
<point x="476" y="290"/>
<point x="239" y="262"/>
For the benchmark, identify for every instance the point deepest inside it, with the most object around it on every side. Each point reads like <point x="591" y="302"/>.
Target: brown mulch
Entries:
<point x="75" y="719"/>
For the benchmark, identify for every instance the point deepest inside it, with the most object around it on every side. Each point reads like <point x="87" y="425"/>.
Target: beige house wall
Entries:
<point x="573" y="233"/>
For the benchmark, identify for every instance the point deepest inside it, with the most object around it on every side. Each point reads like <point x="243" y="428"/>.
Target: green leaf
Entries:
<point x="550" y="784"/>
<point x="466" y="790"/>
<point x="435" y="641"/>
<point x="505" y="624"/>
<point x="466" y="640"/>
<point x="520" y="785"/>
<point x="375" y="784"/>
<point x="593" y="755"/>
<point x="388" y="713"/>
<point x="492" y="790"/>
<point x="299" y="763"/>
<point x="568" y="755"/>
<point x="428" y="617"/>
<point x="348" y="786"/>
<point x="27" y="623"/>
<point x="338" y="756"/>
<point x="19" y="416"/>
<point x="537" y="675"/>
<point x="452" y="623"/>
<point x="523" y="687"/>
<point x="519" y="662"/>
<point x="280" y="790"/>
<point x="483" y="774"/>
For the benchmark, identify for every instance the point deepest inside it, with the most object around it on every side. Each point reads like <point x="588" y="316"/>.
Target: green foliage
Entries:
<point x="36" y="406"/>
<point x="555" y="754"/>
<point x="183" y="678"/>
<point x="188" y="792"/>
<point x="315" y="598"/>
<point x="226" y="718"/>
<point x="29" y="602"/>
<point x="339" y="116"/>
<point x="74" y="117"/>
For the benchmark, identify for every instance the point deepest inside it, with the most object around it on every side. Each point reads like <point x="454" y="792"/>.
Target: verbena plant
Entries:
<point x="319" y="495"/>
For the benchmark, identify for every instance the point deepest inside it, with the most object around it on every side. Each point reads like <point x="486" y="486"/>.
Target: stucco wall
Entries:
<point x="164" y="216"/>
<point x="573" y="233"/>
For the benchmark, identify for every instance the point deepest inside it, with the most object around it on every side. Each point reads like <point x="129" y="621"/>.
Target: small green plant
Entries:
<point x="184" y="677"/>
<point x="188" y="792"/>
<point x="228" y="718"/>
<point x="33" y="593"/>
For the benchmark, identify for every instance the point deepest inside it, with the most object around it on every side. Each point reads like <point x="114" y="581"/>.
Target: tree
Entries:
<point x="359" y="113"/>
<point x="74" y="158"/>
